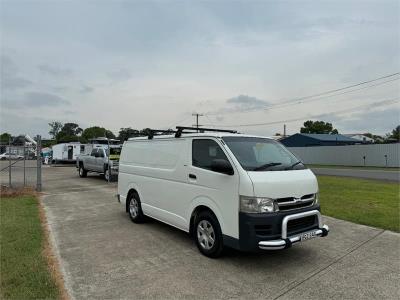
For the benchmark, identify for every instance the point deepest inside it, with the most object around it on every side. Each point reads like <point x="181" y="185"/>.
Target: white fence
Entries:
<point x="380" y="155"/>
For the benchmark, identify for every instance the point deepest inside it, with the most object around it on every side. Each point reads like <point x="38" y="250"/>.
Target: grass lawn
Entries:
<point x="353" y="167"/>
<point x="368" y="202"/>
<point x="25" y="272"/>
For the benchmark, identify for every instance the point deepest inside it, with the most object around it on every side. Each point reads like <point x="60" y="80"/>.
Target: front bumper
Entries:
<point x="278" y="230"/>
<point x="286" y="241"/>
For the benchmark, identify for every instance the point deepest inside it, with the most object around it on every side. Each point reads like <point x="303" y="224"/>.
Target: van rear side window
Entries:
<point x="155" y="153"/>
<point x="204" y="151"/>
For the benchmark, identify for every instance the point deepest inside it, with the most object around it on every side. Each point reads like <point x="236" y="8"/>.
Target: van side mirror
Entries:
<point x="222" y="166"/>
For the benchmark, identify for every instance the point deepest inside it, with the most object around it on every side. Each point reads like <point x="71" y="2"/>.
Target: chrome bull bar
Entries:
<point x="285" y="241"/>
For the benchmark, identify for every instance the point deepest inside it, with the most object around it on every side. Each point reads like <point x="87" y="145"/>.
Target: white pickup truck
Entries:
<point x="100" y="160"/>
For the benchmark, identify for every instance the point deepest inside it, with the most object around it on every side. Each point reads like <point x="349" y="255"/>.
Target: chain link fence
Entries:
<point x="21" y="165"/>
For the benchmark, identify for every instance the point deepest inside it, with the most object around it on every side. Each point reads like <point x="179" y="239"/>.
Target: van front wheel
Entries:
<point x="135" y="209"/>
<point x="208" y="235"/>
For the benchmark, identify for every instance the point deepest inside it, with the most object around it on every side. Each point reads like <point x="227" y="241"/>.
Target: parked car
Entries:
<point x="100" y="160"/>
<point x="13" y="156"/>
<point x="223" y="188"/>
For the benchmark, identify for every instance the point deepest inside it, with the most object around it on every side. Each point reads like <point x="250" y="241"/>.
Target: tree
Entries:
<point x="394" y="135"/>
<point x="126" y="133"/>
<point x="377" y="138"/>
<point x="69" y="133"/>
<point x="95" y="132"/>
<point x="318" y="127"/>
<point x="55" y="128"/>
<point x="5" y="137"/>
<point x="145" y="131"/>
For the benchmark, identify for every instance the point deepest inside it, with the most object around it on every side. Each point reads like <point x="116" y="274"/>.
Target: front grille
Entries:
<point x="289" y="203"/>
<point x="298" y="225"/>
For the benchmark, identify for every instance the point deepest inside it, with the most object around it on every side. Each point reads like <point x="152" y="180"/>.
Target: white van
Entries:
<point x="224" y="188"/>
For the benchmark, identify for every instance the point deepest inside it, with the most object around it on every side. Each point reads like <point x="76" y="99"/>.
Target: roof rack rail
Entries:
<point x="154" y="132"/>
<point x="180" y="130"/>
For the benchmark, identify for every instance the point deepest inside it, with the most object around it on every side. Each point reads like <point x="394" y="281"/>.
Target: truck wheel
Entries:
<point x="208" y="235"/>
<point x="135" y="208"/>
<point x="82" y="172"/>
<point x="106" y="173"/>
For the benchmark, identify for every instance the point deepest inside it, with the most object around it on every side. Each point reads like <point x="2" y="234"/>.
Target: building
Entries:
<point x="360" y="137"/>
<point x="316" y="139"/>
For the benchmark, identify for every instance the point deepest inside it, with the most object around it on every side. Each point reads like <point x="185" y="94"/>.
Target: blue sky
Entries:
<point x="152" y="64"/>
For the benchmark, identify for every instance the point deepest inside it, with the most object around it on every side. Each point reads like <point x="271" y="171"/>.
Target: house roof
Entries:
<point x="329" y="137"/>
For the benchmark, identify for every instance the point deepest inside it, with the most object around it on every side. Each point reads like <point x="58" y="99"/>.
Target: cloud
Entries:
<point x="13" y="83"/>
<point x="8" y="66"/>
<point x="244" y="102"/>
<point x="86" y="89"/>
<point x="9" y="75"/>
<point x="54" y="71"/>
<point x="43" y="99"/>
<point x="120" y="74"/>
<point x="239" y="104"/>
<point x="378" y="121"/>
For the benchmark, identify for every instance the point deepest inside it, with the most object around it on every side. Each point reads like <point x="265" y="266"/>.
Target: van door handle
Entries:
<point x="192" y="176"/>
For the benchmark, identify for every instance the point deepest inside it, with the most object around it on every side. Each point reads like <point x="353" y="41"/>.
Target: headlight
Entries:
<point x="257" y="205"/>
<point x="316" y="198"/>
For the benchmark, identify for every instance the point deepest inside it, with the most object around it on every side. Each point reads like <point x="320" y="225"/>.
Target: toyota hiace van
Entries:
<point x="225" y="189"/>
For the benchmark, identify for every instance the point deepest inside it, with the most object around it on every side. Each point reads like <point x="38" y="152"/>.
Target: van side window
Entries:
<point x="94" y="151"/>
<point x="204" y="152"/>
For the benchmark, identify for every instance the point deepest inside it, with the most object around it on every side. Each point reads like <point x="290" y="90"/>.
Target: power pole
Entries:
<point x="197" y="115"/>
<point x="284" y="130"/>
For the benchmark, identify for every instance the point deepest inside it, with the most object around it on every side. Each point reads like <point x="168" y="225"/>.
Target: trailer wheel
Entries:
<point x="82" y="172"/>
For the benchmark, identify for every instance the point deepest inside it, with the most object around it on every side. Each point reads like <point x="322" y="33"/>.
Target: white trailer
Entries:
<point x="67" y="152"/>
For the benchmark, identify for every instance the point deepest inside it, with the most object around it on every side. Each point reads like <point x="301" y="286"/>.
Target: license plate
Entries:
<point x="307" y="236"/>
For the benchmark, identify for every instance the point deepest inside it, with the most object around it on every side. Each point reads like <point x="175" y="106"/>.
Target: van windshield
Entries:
<point x="260" y="154"/>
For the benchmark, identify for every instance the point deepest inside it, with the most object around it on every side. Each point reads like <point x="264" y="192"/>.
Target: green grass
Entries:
<point x="354" y="167"/>
<point x="24" y="270"/>
<point x="368" y="202"/>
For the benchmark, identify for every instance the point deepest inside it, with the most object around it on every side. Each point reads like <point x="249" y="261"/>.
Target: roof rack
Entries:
<point x="154" y="132"/>
<point x="180" y="129"/>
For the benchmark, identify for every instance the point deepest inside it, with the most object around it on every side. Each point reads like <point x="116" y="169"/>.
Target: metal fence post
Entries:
<point x="39" y="163"/>
<point x="24" y="165"/>
<point x="108" y="161"/>
<point x="9" y="162"/>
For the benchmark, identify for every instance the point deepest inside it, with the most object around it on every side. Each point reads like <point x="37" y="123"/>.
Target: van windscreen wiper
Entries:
<point x="266" y="166"/>
<point x="292" y="166"/>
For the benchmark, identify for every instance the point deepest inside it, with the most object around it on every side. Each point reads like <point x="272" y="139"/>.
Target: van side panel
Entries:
<point x="155" y="169"/>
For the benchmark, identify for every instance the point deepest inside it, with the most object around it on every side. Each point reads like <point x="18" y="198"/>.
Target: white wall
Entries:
<point x="350" y="155"/>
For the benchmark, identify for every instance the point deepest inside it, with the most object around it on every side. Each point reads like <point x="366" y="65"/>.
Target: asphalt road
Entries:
<point x="367" y="174"/>
<point x="104" y="255"/>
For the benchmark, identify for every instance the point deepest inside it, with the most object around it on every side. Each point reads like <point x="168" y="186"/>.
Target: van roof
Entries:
<point x="195" y="134"/>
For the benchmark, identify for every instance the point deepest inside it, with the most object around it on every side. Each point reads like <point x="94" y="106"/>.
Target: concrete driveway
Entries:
<point x="104" y="255"/>
<point x="359" y="173"/>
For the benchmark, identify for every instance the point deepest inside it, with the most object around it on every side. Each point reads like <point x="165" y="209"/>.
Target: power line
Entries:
<point x="379" y="103"/>
<point x="319" y="95"/>
<point x="334" y="95"/>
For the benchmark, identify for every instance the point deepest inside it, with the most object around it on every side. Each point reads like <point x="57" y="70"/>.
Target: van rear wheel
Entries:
<point x="135" y="208"/>
<point x="208" y="235"/>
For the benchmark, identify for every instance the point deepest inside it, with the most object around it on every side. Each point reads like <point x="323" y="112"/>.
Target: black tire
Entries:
<point x="82" y="171"/>
<point x="135" y="211"/>
<point x="107" y="174"/>
<point x="207" y="217"/>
